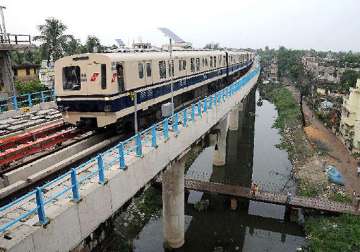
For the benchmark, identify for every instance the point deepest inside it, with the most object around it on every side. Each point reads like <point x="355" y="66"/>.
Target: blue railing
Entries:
<point x="26" y="100"/>
<point x="68" y="184"/>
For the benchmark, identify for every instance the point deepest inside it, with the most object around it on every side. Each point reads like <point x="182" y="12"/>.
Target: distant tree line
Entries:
<point x="55" y="43"/>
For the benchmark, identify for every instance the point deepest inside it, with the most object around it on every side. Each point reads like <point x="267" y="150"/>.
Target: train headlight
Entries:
<point x="58" y="99"/>
<point x="107" y="98"/>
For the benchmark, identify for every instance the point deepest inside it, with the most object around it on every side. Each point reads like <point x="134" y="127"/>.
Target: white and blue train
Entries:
<point x="101" y="89"/>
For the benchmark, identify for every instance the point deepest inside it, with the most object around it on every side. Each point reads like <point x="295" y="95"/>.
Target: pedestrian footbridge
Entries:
<point x="62" y="213"/>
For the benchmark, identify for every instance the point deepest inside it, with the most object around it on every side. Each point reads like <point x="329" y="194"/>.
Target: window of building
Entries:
<point x="103" y="76"/>
<point x="192" y="64"/>
<point x="162" y="69"/>
<point x="27" y="71"/>
<point x="15" y="73"/>
<point x="71" y="78"/>
<point x="141" y="70"/>
<point x="34" y="70"/>
<point x="148" y="69"/>
<point x="197" y="64"/>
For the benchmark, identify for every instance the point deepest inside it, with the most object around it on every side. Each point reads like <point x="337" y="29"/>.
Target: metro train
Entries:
<point x="97" y="90"/>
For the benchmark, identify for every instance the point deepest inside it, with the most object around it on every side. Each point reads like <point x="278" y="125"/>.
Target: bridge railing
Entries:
<point x="68" y="185"/>
<point x="26" y="100"/>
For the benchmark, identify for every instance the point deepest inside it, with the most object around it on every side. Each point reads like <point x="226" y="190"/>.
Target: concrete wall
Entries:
<point x="70" y="222"/>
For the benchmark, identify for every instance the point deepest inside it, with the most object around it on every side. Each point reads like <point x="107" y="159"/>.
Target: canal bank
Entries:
<point x="252" y="156"/>
<point x="324" y="233"/>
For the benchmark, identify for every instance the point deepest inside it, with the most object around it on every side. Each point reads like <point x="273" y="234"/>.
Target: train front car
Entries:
<point x="84" y="86"/>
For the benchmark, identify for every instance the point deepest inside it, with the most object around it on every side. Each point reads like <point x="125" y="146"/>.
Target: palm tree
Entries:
<point x="93" y="44"/>
<point x="53" y="38"/>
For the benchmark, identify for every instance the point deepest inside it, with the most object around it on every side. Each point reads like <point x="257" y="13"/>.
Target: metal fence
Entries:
<point x="68" y="185"/>
<point x="7" y="38"/>
<point x="26" y="100"/>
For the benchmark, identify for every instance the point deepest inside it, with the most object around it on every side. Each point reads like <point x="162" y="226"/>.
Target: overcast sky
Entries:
<point x="303" y="24"/>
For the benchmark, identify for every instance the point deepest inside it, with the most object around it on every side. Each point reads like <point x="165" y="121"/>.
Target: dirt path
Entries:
<point x="337" y="154"/>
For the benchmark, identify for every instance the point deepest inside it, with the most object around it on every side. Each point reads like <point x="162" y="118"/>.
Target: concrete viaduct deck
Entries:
<point x="268" y="197"/>
<point x="62" y="213"/>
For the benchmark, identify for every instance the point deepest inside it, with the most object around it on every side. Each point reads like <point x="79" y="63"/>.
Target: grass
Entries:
<point x="288" y="121"/>
<point x="307" y="189"/>
<point x="340" y="197"/>
<point x="333" y="233"/>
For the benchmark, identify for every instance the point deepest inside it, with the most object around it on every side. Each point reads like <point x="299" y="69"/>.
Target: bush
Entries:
<point x="29" y="87"/>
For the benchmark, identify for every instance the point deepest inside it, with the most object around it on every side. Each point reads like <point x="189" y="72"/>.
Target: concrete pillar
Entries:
<point x="220" y="146"/>
<point x="173" y="205"/>
<point x="234" y="119"/>
<point x="6" y="74"/>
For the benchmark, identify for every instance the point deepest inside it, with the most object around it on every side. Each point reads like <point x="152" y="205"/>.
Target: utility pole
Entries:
<point x="171" y="72"/>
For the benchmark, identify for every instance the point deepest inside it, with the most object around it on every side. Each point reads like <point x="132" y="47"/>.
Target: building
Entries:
<point x="350" y="119"/>
<point x="26" y="72"/>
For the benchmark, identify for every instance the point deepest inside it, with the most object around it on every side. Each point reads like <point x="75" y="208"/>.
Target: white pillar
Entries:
<point x="234" y="119"/>
<point x="220" y="146"/>
<point x="173" y="205"/>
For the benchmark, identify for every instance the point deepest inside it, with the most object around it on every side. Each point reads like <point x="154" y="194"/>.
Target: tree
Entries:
<point x="93" y="42"/>
<point x="348" y="79"/>
<point x="214" y="46"/>
<point x="53" y="38"/>
<point x="74" y="46"/>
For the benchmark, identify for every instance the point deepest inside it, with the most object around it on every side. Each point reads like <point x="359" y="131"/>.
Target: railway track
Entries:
<point x="14" y="149"/>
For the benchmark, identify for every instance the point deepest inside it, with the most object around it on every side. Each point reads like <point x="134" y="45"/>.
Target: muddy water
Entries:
<point x="252" y="155"/>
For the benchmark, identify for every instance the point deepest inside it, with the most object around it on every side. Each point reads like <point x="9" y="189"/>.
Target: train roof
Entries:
<point x="137" y="56"/>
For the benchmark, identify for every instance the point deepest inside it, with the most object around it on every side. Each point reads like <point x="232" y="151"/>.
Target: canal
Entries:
<point x="252" y="156"/>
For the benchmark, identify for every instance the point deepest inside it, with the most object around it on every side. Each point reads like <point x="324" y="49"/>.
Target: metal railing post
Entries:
<point x="29" y="100"/>
<point x="121" y="156"/>
<point x="100" y="163"/>
<point x="205" y="104"/>
<point x="192" y="112"/>
<point x="153" y="137"/>
<point x="40" y="206"/>
<point x="74" y="186"/>
<point x="185" y="117"/>
<point x="199" y="108"/>
<point x="138" y="145"/>
<point x="166" y="129"/>
<point x="175" y="123"/>
<point x="42" y="96"/>
<point x="15" y="103"/>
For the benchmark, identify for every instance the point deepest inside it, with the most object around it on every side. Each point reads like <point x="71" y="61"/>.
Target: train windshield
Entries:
<point x="71" y="78"/>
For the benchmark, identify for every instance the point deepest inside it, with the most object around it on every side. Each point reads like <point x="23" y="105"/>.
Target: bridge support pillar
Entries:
<point x="234" y="118"/>
<point x="220" y="146"/>
<point x="173" y="197"/>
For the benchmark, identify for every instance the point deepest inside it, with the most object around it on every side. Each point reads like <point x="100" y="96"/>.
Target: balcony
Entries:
<point x="10" y="42"/>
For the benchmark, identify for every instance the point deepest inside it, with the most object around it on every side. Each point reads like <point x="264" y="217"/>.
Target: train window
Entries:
<point x="141" y="70"/>
<point x="180" y="65"/>
<point x="192" y="64"/>
<point x="206" y="62"/>
<point x="184" y="65"/>
<point x="171" y="67"/>
<point x="71" y="78"/>
<point x="162" y="69"/>
<point x="120" y="77"/>
<point x="148" y="69"/>
<point x="211" y="61"/>
<point x="220" y="60"/>
<point x="197" y="64"/>
<point x="203" y="62"/>
<point x="103" y="76"/>
<point x="214" y="61"/>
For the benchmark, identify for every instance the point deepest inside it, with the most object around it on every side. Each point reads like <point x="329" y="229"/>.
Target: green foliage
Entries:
<point x="307" y="189"/>
<point x="333" y="233"/>
<point x="340" y="197"/>
<point x="52" y="38"/>
<point x="29" y="87"/>
<point x="289" y="64"/>
<point x="348" y="79"/>
<point x="93" y="42"/>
